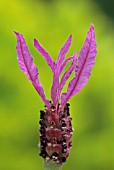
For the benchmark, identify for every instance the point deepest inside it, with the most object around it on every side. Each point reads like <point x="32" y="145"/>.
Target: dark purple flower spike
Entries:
<point x="55" y="122"/>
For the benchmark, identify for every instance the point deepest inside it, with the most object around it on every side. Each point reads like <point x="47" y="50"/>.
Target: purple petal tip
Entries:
<point x="70" y="37"/>
<point x="16" y="33"/>
<point x="35" y="41"/>
<point x="91" y="27"/>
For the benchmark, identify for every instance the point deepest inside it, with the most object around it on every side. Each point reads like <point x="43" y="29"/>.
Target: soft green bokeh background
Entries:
<point x="51" y="22"/>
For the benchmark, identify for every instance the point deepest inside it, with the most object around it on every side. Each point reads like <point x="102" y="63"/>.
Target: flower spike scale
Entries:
<point x="55" y="122"/>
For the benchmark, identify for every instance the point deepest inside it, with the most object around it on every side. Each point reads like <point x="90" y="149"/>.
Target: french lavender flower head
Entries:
<point x="55" y="121"/>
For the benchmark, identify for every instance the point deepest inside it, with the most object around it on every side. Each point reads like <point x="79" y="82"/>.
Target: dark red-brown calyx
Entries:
<point x="55" y="134"/>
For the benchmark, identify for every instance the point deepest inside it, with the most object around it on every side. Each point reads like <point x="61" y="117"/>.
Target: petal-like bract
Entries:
<point x="83" y="69"/>
<point x="44" y="53"/>
<point x="65" y="62"/>
<point x="26" y="64"/>
<point x="68" y="72"/>
<point x="63" y="51"/>
<point x="55" y="86"/>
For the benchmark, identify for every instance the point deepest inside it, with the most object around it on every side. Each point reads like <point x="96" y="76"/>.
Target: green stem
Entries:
<point x="52" y="166"/>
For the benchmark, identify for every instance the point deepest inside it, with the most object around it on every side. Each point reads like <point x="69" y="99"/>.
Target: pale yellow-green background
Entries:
<point x="51" y="22"/>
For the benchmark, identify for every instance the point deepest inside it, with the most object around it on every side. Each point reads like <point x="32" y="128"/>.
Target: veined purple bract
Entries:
<point x="55" y="124"/>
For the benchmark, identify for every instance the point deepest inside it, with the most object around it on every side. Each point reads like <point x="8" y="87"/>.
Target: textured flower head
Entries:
<point x="55" y="123"/>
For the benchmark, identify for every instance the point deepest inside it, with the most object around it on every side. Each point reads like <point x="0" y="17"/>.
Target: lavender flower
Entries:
<point x="55" y="122"/>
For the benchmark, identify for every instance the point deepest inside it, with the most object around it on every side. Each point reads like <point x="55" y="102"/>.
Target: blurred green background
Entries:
<point x="51" y="22"/>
